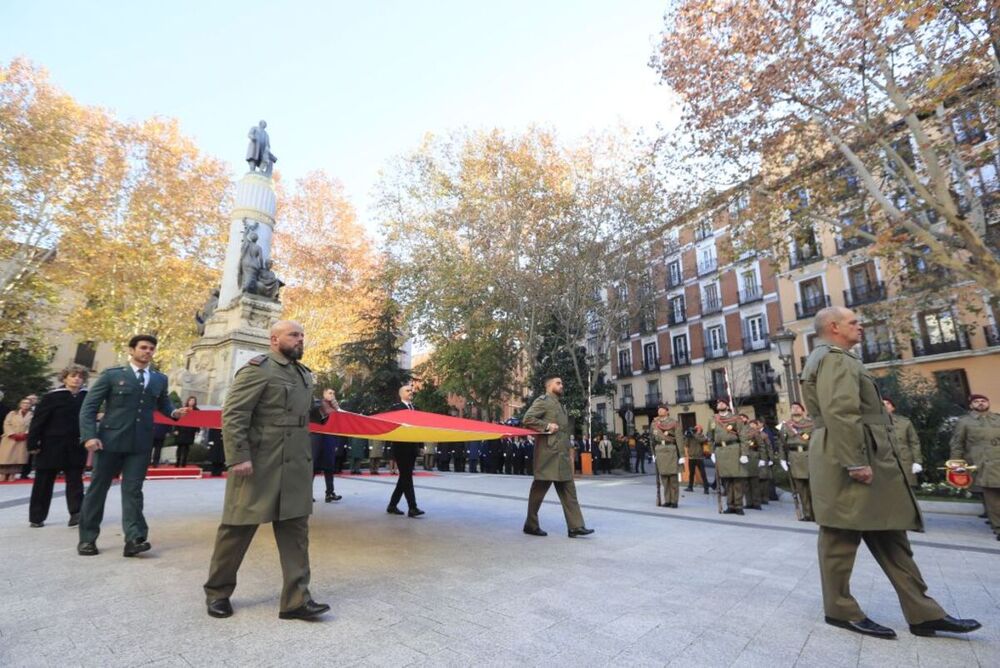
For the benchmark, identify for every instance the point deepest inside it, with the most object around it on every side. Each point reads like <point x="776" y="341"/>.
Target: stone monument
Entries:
<point x="235" y="322"/>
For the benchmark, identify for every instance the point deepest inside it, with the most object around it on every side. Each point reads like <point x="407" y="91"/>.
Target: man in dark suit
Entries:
<point x="121" y="445"/>
<point x="405" y="455"/>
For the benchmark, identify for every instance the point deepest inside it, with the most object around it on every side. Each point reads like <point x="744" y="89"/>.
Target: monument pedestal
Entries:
<point x="232" y="336"/>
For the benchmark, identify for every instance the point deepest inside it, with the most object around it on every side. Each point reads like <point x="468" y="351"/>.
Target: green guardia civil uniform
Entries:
<point x="853" y="430"/>
<point x="668" y="437"/>
<point x="553" y="464"/>
<point x="265" y="421"/>
<point x="727" y="446"/>
<point x="909" y="446"/>
<point x="977" y="441"/>
<point x="794" y="438"/>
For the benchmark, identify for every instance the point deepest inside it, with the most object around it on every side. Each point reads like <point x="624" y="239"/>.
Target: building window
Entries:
<point x="968" y="125"/>
<point x="703" y="230"/>
<point x="653" y="393"/>
<point x="716" y="342"/>
<point x="649" y="357"/>
<point x="983" y="179"/>
<point x="720" y="388"/>
<point x="761" y="378"/>
<point x="677" y="314"/>
<point x="938" y="327"/>
<point x="710" y="299"/>
<point x="624" y="361"/>
<point x="685" y="393"/>
<point x="954" y="384"/>
<point x="847" y="183"/>
<point x="706" y="259"/>
<point x="674" y="274"/>
<point x="86" y="351"/>
<point x="680" y="346"/>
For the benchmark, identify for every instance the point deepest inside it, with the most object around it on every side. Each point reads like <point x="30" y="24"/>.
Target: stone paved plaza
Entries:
<point x="462" y="586"/>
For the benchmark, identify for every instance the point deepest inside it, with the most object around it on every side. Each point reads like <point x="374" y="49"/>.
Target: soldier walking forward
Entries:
<point x="265" y="425"/>
<point x="859" y="491"/>
<point x="668" y="451"/>
<point x="553" y="463"/>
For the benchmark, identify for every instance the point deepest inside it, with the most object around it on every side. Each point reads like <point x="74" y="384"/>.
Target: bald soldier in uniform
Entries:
<point x="859" y="491"/>
<point x="265" y="425"/>
<point x="977" y="441"/>
<point x="553" y="463"/>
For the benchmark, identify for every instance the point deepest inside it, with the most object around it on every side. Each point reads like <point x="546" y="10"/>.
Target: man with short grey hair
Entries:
<point x="858" y="488"/>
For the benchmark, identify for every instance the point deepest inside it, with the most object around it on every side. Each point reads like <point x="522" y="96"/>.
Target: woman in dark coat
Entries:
<point x="54" y="438"/>
<point x="184" y="436"/>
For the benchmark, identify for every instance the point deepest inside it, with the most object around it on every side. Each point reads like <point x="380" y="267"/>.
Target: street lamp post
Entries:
<point x="785" y="340"/>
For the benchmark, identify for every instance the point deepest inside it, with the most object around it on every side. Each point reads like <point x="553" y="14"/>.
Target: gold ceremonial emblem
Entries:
<point x="805" y="437"/>
<point x="958" y="473"/>
<point x="729" y="427"/>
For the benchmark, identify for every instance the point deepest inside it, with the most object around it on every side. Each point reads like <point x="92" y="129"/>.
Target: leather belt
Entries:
<point x="290" y="421"/>
<point x="866" y="418"/>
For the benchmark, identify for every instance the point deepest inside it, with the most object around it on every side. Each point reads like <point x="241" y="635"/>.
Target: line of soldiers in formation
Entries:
<point x="744" y="455"/>
<point x="512" y="456"/>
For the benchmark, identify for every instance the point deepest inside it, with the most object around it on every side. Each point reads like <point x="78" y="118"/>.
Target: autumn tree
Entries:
<point x="870" y="117"/>
<point x="323" y="255"/>
<point x="371" y="358"/>
<point x="495" y="234"/>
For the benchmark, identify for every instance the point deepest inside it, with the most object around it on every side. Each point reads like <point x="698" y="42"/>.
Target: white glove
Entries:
<point x="713" y="457"/>
<point x="681" y="461"/>
<point x="916" y="468"/>
<point x="744" y="459"/>
<point x="761" y="464"/>
<point x="784" y="465"/>
<point x="654" y="459"/>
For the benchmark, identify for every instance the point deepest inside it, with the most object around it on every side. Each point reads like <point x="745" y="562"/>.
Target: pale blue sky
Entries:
<point x="344" y="86"/>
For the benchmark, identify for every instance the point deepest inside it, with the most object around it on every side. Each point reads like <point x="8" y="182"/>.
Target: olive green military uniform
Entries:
<point x="553" y="463"/>
<point x="375" y="451"/>
<point x="356" y="453"/>
<point x="430" y="452"/>
<point x="668" y="437"/>
<point x="727" y="446"/>
<point x="853" y="430"/>
<point x="977" y="441"/>
<point x="759" y="447"/>
<point x="795" y="437"/>
<point x="909" y="446"/>
<point x="265" y="420"/>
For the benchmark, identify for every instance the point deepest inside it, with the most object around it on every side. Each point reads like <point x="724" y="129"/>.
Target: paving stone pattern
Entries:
<point x="462" y="586"/>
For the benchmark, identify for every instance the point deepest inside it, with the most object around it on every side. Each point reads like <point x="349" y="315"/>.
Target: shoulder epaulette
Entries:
<point x="257" y="361"/>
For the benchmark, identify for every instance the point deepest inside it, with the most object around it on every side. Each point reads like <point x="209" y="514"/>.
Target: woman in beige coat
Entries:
<point x="14" y="445"/>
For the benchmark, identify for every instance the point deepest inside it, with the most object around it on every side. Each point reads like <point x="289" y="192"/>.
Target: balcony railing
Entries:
<point x="751" y="345"/>
<point x="801" y="258"/>
<point x="807" y="308"/>
<point x="674" y="281"/>
<point x="671" y="246"/>
<point x="717" y="353"/>
<point x="864" y="294"/>
<point x="879" y="351"/>
<point x="677" y="316"/>
<point x="650" y="364"/>
<point x="751" y="293"/>
<point x="719" y="391"/>
<point x="761" y="388"/>
<point x="625" y="370"/>
<point x="709" y="306"/>
<point x="922" y="347"/>
<point x="707" y="266"/>
<point x="625" y="403"/>
<point x="702" y="232"/>
<point x="685" y="395"/>
<point x="653" y="399"/>
<point x="848" y="244"/>
<point x="992" y="335"/>
<point x="681" y="358"/>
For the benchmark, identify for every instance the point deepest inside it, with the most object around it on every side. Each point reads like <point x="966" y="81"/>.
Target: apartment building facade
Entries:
<point x="707" y="334"/>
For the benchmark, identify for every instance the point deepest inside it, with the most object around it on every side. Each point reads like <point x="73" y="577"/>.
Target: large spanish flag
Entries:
<point x="405" y="426"/>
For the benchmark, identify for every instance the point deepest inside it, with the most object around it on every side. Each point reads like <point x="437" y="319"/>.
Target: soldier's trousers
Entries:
<point x="991" y="500"/>
<point x="670" y="488"/>
<point x="374" y="464"/>
<point x="891" y="549"/>
<point x="696" y="464"/>
<point x="231" y="543"/>
<point x="735" y="490"/>
<point x="566" y="489"/>
<point x="41" y="492"/>
<point x="802" y="487"/>
<point x="132" y="467"/>
<point x="764" y="485"/>
<point x="751" y="490"/>
<point x="428" y="462"/>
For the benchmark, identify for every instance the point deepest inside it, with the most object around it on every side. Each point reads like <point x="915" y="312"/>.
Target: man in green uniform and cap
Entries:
<point x="907" y="441"/>
<point x="730" y="455"/>
<point x="859" y="491"/>
<point x="553" y="463"/>
<point x="265" y="425"/>
<point x="668" y="451"/>
<point x="977" y="441"/>
<point x="794" y="437"/>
